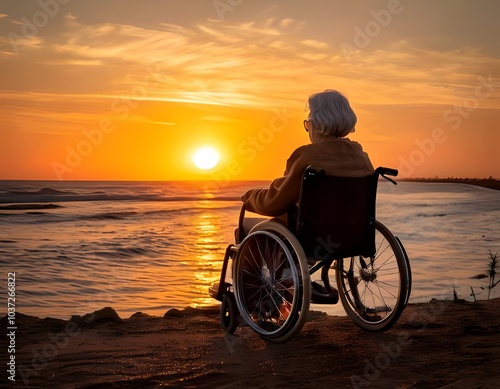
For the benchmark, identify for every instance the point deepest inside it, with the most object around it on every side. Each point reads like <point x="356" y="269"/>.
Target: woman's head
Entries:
<point x="330" y="114"/>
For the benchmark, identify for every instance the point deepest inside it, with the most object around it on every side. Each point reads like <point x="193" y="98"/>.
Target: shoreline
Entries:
<point x="489" y="183"/>
<point x="437" y="344"/>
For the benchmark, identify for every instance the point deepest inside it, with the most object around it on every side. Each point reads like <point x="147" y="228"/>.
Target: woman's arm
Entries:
<point x="283" y="191"/>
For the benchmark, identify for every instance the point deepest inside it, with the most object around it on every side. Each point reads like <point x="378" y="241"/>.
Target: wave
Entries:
<point x="36" y="217"/>
<point x="110" y="215"/>
<point x="48" y="195"/>
<point x="17" y="207"/>
<point x="43" y="191"/>
<point x="126" y="252"/>
<point x="431" y="214"/>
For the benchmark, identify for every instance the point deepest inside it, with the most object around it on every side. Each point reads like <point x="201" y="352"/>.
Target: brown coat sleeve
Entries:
<point x="283" y="191"/>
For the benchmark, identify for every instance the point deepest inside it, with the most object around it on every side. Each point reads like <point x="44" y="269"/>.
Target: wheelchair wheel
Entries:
<point x="229" y="314"/>
<point x="271" y="282"/>
<point x="374" y="291"/>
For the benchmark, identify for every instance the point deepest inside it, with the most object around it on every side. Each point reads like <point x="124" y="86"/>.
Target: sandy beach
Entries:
<point x="440" y="344"/>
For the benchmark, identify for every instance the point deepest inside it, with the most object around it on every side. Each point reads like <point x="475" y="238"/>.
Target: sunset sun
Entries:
<point x="205" y="158"/>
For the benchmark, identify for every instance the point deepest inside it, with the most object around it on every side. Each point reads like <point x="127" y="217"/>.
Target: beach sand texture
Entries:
<point x="440" y="344"/>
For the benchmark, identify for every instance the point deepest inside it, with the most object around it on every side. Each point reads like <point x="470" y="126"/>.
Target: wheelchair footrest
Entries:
<point x="320" y="295"/>
<point x="214" y="289"/>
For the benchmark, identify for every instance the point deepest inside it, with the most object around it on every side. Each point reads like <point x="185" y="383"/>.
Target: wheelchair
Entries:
<point x="332" y="227"/>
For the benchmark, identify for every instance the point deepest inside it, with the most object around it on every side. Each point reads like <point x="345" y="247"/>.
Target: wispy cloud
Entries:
<point x="315" y="44"/>
<point x="249" y="63"/>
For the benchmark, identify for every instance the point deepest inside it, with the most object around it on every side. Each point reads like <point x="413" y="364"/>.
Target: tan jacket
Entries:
<point x="339" y="157"/>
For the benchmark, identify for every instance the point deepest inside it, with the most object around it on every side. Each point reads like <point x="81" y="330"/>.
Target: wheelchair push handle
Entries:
<point x="386" y="171"/>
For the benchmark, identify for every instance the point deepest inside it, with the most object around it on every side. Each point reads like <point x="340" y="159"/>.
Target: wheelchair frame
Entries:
<point x="282" y="327"/>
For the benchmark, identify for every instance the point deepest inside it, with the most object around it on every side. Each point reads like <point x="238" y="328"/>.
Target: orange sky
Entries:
<point x="124" y="90"/>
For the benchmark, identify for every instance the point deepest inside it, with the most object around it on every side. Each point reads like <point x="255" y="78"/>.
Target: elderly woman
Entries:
<point x="330" y="120"/>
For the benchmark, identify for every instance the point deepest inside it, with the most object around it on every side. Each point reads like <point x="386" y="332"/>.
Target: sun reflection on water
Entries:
<point x="209" y="250"/>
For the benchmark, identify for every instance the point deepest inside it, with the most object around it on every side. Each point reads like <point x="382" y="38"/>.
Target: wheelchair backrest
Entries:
<point x="336" y="215"/>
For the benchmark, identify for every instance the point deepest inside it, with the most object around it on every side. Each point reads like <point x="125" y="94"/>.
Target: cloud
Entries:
<point x="315" y="44"/>
<point x="266" y="63"/>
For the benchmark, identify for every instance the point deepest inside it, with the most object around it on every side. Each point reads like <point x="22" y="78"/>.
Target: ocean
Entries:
<point x="79" y="246"/>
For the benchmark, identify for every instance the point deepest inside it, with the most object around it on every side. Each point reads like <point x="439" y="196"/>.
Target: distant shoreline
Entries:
<point x="489" y="183"/>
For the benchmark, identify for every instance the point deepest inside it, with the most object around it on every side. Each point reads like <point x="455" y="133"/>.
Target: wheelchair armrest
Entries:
<point x="241" y="231"/>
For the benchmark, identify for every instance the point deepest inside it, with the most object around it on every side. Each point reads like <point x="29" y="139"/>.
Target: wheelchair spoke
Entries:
<point x="259" y="290"/>
<point x="278" y="309"/>
<point x="374" y="290"/>
<point x="283" y="286"/>
<point x="252" y="255"/>
<point x="384" y="263"/>
<point x="266" y="276"/>
<point x="390" y="270"/>
<point x="388" y="285"/>
<point x="381" y="285"/>
<point x="376" y="296"/>
<point x="379" y="251"/>
<point x="389" y="288"/>
<point x="283" y="263"/>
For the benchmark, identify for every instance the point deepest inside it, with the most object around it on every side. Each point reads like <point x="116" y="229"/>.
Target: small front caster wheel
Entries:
<point x="229" y="314"/>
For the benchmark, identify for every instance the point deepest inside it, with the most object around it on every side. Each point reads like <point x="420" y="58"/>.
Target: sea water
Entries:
<point x="76" y="247"/>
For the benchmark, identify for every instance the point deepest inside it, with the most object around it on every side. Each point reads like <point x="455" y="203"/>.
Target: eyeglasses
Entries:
<point x="305" y="124"/>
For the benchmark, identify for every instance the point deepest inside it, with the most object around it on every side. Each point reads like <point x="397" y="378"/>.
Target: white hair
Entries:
<point x="331" y="114"/>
